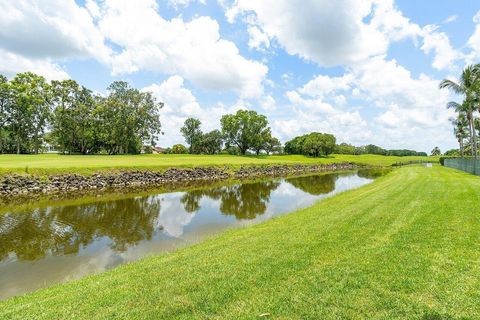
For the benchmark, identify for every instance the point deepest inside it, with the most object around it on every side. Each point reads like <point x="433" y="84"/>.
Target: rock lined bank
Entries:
<point x="14" y="184"/>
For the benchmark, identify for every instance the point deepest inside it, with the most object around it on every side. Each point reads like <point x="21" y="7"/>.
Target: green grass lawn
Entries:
<point x="406" y="247"/>
<point x="54" y="163"/>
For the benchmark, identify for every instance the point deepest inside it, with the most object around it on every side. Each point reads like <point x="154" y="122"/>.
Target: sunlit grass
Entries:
<point x="54" y="163"/>
<point x="404" y="247"/>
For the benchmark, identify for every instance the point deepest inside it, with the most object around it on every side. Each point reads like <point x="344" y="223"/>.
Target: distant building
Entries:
<point x="154" y="150"/>
<point x="49" y="148"/>
<point x="159" y="150"/>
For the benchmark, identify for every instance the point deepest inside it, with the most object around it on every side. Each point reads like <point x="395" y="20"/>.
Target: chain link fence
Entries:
<point x="468" y="165"/>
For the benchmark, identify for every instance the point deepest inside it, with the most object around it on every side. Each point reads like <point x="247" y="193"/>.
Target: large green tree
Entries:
<point x="121" y="122"/>
<point x="211" y="142"/>
<point x="436" y="152"/>
<point x="313" y="144"/>
<point x="272" y="144"/>
<point x="243" y="128"/>
<point x="30" y="110"/>
<point x="86" y="132"/>
<point x="295" y="146"/>
<point x="127" y="118"/>
<point x="260" y="141"/>
<point x="65" y="98"/>
<point x="319" y="144"/>
<point x="345" y="148"/>
<point x="193" y="134"/>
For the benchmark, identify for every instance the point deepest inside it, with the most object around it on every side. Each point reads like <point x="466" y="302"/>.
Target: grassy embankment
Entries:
<point x="54" y="163"/>
<point x="405" y="246"/>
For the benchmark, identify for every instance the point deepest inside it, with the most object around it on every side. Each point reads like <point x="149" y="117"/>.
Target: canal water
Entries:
<point x="57" y="243"/>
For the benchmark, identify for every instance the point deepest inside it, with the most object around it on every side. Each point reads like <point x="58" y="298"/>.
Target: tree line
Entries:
<point x="345" y="148"/>
<point x="466" y="123"/>
<point x="35" y="113"/>
<point x="326" y="145"/>
<point x="243" y="132"/>
<point x="246" y="131"/>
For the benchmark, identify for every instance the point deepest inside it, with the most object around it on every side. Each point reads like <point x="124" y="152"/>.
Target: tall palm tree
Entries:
<point x="468" y="86"/>
<point x="460" y="125"/>
<point x="466" y="109"/>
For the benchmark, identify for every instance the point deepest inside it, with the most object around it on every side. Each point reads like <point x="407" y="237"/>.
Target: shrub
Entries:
<point x="442" y="160"/>
<point x="179" y="149"/>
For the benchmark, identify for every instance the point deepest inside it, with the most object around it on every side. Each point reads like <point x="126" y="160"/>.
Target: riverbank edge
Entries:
<point x="21" y="185"/>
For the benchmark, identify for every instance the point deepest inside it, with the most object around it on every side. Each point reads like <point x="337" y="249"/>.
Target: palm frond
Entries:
<point x="476" y="68"/>
<point x="468" y="76"/>
<point x="452" y="85"/>
<point x="462" y="120"/>
<point x="454" y="105"/>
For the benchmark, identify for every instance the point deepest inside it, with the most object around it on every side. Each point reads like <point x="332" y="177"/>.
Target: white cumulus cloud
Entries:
<point x="403" y="110"/>
<point x="342" y="32"/>
<point x="50" y="29"/>
<point x="192" y="49"/>
<point x="14" y="63"/>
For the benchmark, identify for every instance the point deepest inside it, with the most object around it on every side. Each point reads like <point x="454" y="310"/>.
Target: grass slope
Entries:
<point x="54" y="163"/>
<point x="405" y="246"/>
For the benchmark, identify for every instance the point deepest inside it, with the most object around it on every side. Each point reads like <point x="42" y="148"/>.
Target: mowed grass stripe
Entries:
<point x="405" y="246"/>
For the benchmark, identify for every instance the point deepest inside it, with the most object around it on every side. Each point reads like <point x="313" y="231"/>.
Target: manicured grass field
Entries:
<point x="54" y="163"/>
<point x="404" y="247"/>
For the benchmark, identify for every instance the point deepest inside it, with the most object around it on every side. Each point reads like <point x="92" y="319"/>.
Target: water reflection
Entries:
<point x="53" y="244"/>
<point x="64" y="230"/>
<point x="244" y="201"/>
<point x="314" y="185"/>
<point x="373" y="173"/>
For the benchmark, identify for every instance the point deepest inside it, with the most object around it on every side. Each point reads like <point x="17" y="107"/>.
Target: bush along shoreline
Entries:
<point x="14" y="185"/>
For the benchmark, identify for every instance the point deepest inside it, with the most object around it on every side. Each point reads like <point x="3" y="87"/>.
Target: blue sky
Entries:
<point x="364" y="70"/>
